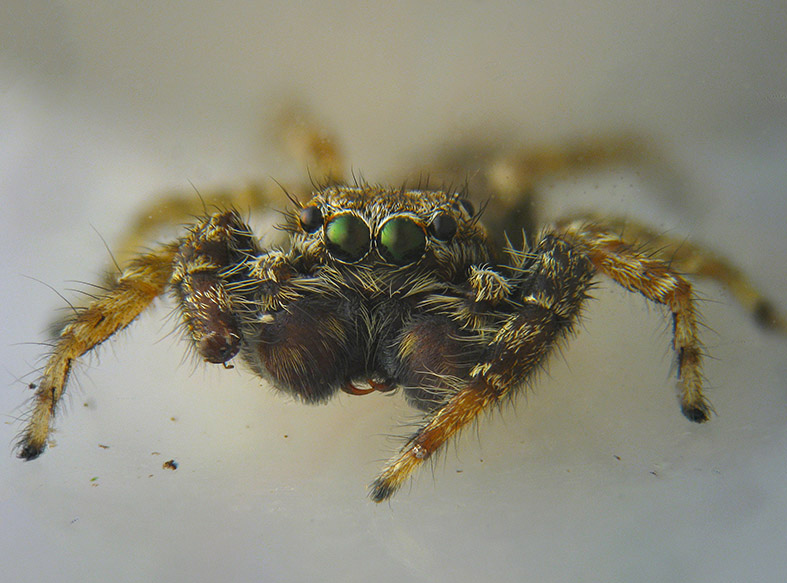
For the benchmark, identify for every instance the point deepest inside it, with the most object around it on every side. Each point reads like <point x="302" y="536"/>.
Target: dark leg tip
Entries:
<point x="696" y="414"/>
<point x="765" y="315"/>
<point x="380" y="491"/>
<point x="28" y="452"/>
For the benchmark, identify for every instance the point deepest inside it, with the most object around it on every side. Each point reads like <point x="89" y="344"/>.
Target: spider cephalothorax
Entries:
<point x="392" y="289"/>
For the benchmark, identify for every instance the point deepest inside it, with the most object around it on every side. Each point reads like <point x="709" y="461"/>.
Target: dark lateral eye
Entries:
<point x="347" y="237"/>
<point x="401" y="241"/>
<point x="443" y="227"/>
<point x="310" y="218"/>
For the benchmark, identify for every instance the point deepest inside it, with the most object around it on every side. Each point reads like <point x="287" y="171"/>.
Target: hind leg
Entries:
<point x="296" y="132"/>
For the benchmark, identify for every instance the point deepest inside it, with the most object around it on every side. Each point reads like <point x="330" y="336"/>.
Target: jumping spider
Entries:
<point x="380" y="288"/>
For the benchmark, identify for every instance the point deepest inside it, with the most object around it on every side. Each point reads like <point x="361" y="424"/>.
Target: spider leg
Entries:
<point x="522" y="170"/>
<point x="308" y="142"/>
<point x="636" y="271"/>
<point x="296" y="132"/>
<point x="511" y="177"/>
<point x="462" y="409"/>
<point x="144" y="280"/>
<point x="690" y="258"/>
<point x="547" y="302"/>
<point x="178" y="207"/>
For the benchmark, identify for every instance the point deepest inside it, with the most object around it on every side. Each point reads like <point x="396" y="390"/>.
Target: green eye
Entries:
<point x="401" y="241"/>
<point x="347" y="237"/>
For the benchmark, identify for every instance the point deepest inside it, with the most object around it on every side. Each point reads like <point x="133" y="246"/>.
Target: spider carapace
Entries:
<point x="383" y="289"/>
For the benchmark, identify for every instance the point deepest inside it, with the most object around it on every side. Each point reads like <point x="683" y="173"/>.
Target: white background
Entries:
<point x="102" y="107"/>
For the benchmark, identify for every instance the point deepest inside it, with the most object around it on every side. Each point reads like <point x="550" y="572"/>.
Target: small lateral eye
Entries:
<point x="443" y="226"/>
<point x="347" y="237"/>
<point x="310" y="218"/>
<point x="401" y="240"/>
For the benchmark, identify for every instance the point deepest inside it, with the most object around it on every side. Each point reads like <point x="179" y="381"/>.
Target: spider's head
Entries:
<point x="368" y="226"/>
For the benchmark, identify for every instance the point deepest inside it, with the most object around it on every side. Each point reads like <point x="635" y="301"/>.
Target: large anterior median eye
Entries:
<point x="401" y="240"/>
<point x="348" y="237"/>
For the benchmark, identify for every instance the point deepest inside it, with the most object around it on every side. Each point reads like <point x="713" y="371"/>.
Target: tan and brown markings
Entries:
<point x="396" y="289"/>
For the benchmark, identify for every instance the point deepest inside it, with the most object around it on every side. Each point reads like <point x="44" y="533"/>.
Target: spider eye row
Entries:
<point x="400" y="240"/>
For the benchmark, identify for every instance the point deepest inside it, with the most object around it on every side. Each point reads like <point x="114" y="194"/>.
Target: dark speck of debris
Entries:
<point x="170" y="465"/>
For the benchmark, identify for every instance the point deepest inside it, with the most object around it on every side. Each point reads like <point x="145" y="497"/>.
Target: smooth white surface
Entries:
<point x="102" y="107"/>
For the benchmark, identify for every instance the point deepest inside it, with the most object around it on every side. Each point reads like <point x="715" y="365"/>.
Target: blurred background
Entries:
<point x="594" y="475"/>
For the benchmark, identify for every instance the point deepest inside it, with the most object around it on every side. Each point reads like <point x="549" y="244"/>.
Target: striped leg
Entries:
<point x="549" y="297"/>
<point x="690" y="258"/>
<point x="143" y="281"/>
<point x="657" y="281"/>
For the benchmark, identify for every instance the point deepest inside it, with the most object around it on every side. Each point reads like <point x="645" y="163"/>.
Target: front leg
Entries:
<point x="145" y="278"/>
<point x="548" y="298"/>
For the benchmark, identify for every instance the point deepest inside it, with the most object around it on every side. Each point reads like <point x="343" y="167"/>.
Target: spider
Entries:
<point x="378" y="288"/>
